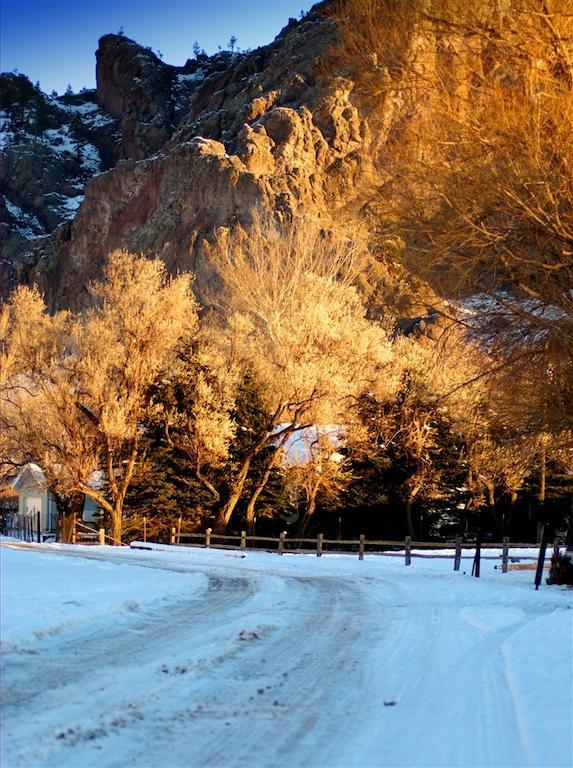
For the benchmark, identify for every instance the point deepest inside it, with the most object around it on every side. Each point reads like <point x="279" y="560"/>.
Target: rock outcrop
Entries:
<point x="50" y="147"/>
<point x="268" y="130"/>
<point x="135" y="86"/>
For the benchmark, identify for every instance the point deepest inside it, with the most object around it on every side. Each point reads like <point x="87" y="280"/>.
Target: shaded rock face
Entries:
<point x="265" y="130"/>
<point x="134" y="86"/>
<point x="50" y="146"/>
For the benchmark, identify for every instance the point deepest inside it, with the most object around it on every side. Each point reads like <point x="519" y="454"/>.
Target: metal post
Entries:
<point x="408" y="550"/>
<point x="319" y="545"/>
<point x="545" y="534"/>
<point x="477" y="557"/>
<point x="282" y="542"/>
<point x="38" y="522"/>
<point x="361" y="547"/>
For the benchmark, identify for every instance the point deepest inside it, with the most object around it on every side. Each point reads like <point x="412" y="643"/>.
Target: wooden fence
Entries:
<point x="174" y="535"/>
<point x="381" y="547"/>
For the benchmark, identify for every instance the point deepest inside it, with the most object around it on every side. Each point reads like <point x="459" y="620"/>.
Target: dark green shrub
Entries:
<point x="561" y="571"/>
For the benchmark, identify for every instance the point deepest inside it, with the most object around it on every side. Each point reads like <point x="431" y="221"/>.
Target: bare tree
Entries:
<point x="79" y="386"/>
<point x="317" y="470"/>
<point x="473" y="106"/>
<point x="298" y="326"/>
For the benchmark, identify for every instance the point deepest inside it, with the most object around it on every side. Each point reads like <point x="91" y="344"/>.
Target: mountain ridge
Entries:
<point x="270" y="130"/>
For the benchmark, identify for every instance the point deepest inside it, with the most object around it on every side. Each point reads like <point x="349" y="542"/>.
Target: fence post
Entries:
<point x="102" y="537"/>
<point x="408" y="550"/>
<point x="179" y="529"/>
<point x="172" y="541"/>
<point x="144" y="528"/>
<point x="361" y="547"/>
<point x="458" y="554"/>
<point x="243" y="539"/>
<point x="38" y="533"/>
<point x="504" y="554"/>
<point x="282" y="542"/>
<point x="319" y="545"/>
<point x="74" y="530"/>
<point x="208" y="537"/>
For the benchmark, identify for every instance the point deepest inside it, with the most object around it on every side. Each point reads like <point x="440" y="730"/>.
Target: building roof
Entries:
<point x="34" y="472"/>
<point x="37" y="475"/>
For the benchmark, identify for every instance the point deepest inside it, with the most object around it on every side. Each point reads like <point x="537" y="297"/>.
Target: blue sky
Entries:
<point x="54" y="41"/>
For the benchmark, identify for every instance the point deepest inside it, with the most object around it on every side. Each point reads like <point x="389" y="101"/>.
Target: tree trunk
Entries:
<point x="116" y="523"/>
<point x="569" y="535"/>
<point x="250" y="515"/>
<point x="308" y="513"/>
<point x="206" y="483"/>
<point x="508" y="514"/>
<point x="542" y="476"/>
<point x="491" y="496"/>
<point x="542" y="491"/>
<point x="224" y="514"/>
<point x="70" y="510"/>
<point x="409" y="521"/>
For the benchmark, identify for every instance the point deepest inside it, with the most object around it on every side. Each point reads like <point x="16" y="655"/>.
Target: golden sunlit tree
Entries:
<point x="297" y="326"/>
<point x="473" y="109"/>
<point x="318" y="471"/>
<point x="78" y="387"/>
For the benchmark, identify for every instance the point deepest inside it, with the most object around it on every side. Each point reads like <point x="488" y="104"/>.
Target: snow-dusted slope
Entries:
<point x="196" y="658"/>
<point x="50" y="147"/>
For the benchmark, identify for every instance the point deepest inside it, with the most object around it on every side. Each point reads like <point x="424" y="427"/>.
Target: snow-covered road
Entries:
<point x="205" y="658"/>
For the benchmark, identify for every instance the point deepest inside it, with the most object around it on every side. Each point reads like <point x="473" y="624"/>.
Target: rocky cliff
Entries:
<point x="194" y="148"/>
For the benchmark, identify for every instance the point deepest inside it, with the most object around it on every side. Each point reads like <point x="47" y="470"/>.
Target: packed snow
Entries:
<point x="186" y="656"/>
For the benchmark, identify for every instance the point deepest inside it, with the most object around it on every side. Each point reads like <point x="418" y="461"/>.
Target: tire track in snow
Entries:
<point x="282" y="669"/>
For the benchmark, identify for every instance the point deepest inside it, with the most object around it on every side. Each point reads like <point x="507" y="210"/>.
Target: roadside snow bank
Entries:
<point x="44" y="595"/>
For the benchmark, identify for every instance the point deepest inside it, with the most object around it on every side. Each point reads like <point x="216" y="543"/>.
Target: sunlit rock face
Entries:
<point x="204" y="146"/>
